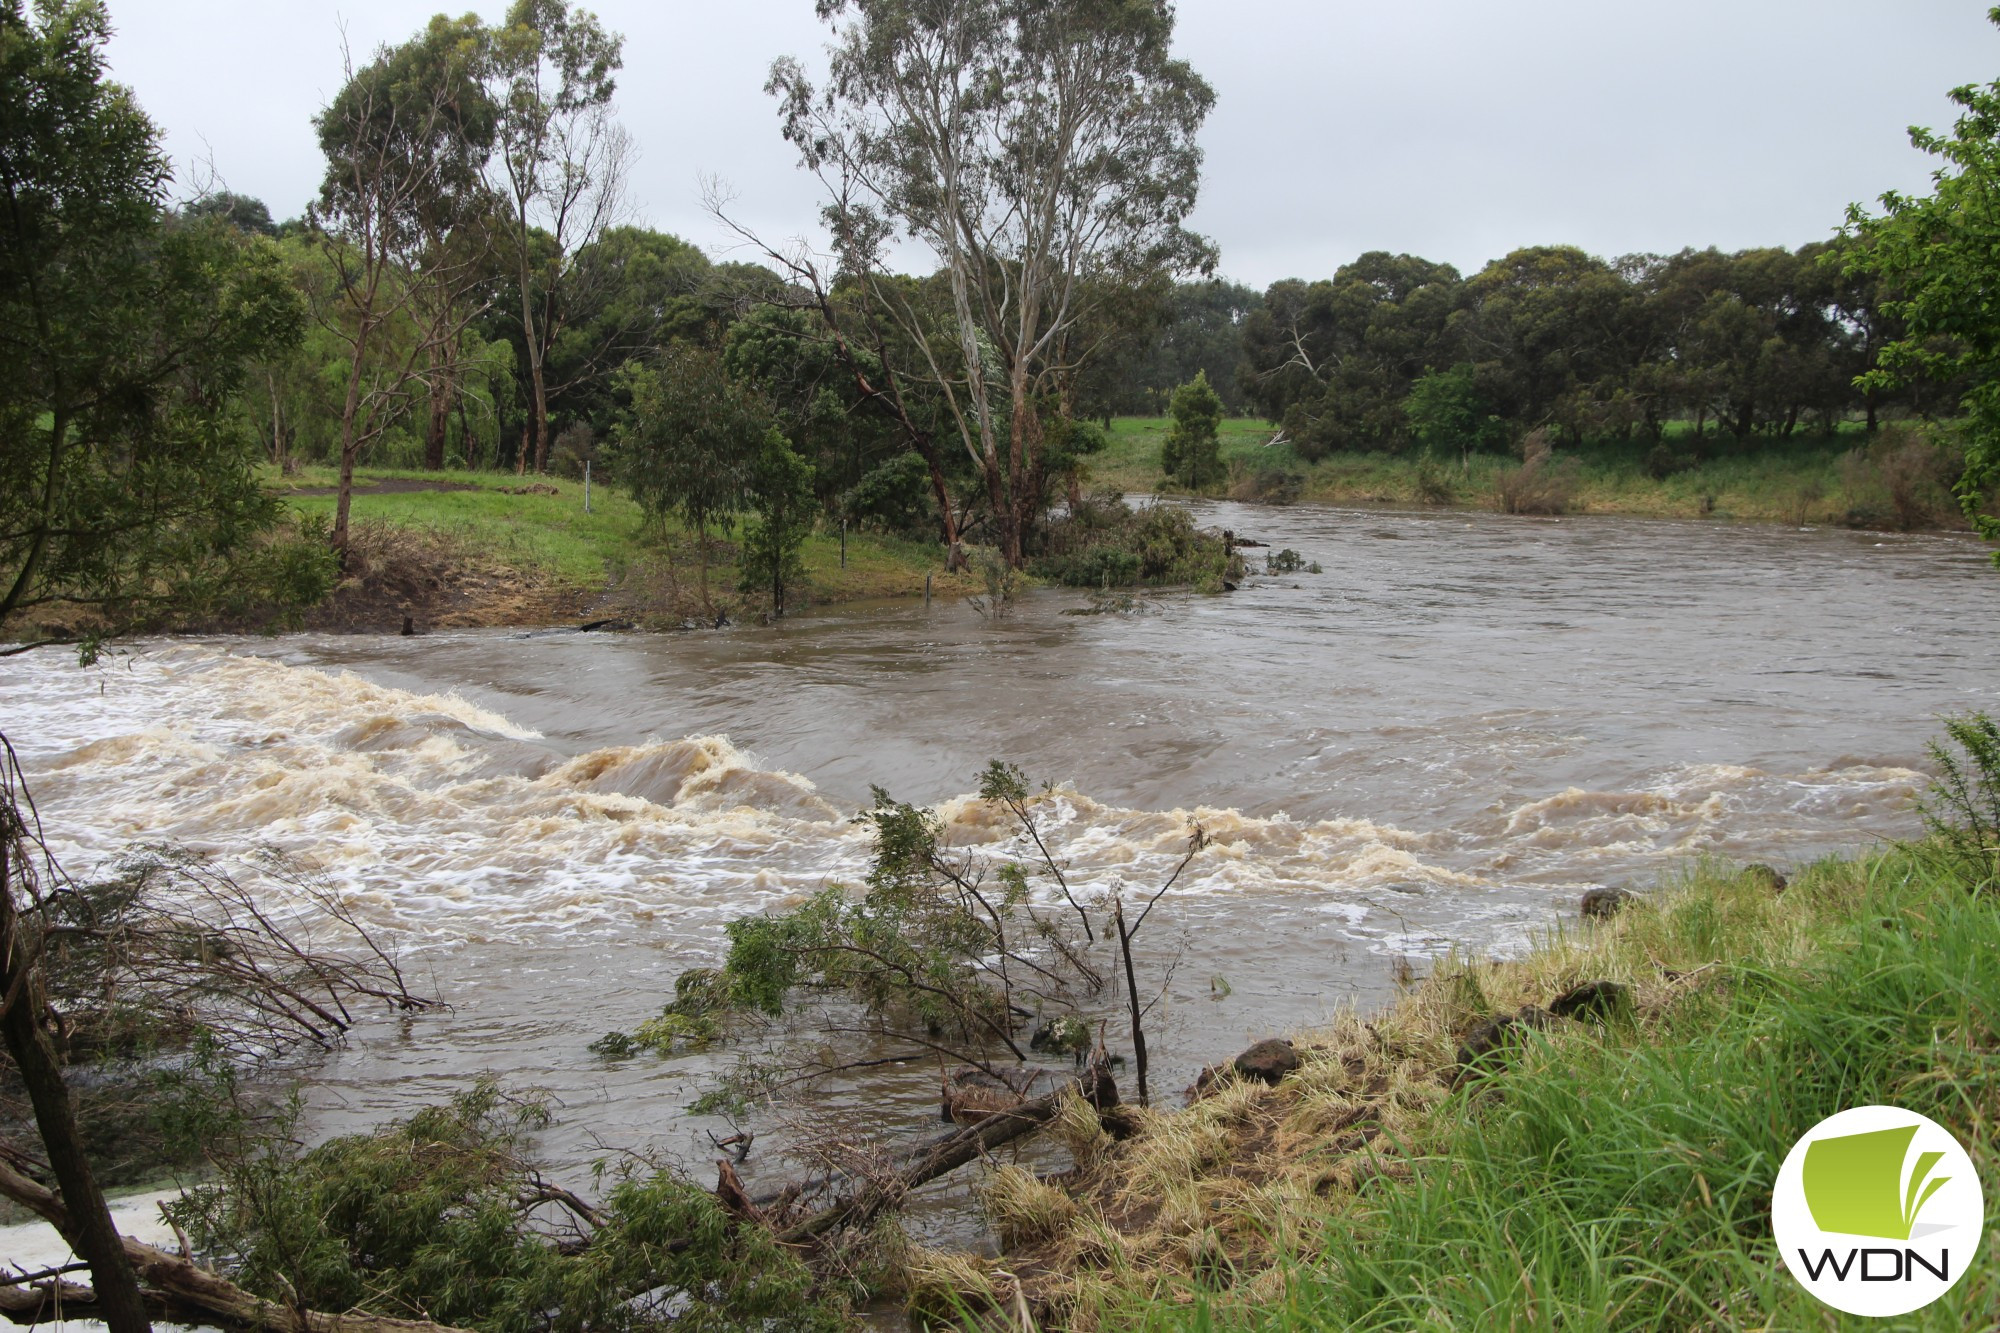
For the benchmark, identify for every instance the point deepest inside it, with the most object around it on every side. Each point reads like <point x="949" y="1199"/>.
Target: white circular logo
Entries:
<point x="1878" y="1211"/>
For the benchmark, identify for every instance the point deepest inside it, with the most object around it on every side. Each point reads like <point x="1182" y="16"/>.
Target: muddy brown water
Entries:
<point x="1439" y="741"/>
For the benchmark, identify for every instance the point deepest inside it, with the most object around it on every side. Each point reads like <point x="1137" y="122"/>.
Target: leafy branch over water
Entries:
<point x="951" y="954"/>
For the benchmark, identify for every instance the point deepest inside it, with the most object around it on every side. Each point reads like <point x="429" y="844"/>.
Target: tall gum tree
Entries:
<point x="405" y="140"/>
<point x="1043" y="153"/>
<point x="560" y="166"/>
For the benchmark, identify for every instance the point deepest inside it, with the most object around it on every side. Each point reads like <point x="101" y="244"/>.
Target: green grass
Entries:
<point x="547" y="534"/>
<point x="1130" y="460"/>
<point x="552" y="538"/>
<point x="1621" y="1179"/>
<point x="1796" y="481"/>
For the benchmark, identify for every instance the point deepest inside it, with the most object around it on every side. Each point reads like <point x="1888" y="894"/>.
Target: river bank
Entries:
<point x="489" y="550"/>
<point x="1846" y="479"/>
<point x="466" y="550"/>
<point x="1445" y="1163"/>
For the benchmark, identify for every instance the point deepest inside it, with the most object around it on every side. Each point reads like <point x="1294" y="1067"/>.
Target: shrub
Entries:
<point x="1105" y="542"/>
<point x="1962" y="810"/>
<point x="1192" y="454"/>
<point x="1433" y="483"/>
<point x="1541" y="485"/>
<point x="1902" y="481"/>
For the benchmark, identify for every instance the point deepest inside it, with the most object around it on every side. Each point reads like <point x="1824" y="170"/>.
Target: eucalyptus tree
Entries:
<point x="1334" y="360"/>
<point x="560" y="166"/>
<point x="127" y="489"/>
<point x="1041" y="153"/>
<point x="406" y="140"/>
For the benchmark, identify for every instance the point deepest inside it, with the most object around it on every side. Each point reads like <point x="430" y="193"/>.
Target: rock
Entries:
<point x="1603" y="904"/>
<point x="605" y="627"/>
<point x="1766" y="877"/>
<point x="1267" y="1061"/>
<point x="1593" y="1000"/>
<point x="1496" y="1034"/>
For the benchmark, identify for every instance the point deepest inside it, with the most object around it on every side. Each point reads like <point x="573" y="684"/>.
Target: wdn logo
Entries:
<point x="1878" y="1211"/>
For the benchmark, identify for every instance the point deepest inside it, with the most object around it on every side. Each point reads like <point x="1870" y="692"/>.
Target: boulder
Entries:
<point x="1496" y="1034"/>
<point x="1267" y="1061"/>
<point x="1596" y="1000"/>
<point x="1603" y="904"/>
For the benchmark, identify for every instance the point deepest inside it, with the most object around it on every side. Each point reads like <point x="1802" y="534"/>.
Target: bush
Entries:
<point x="1962" y="810"/>
<point x="1901" y="481"/>
<point x="1433" y="483"/>
<point x="574" y="447"/>
<point x="1541" y="485"/>
<point x="1192" y="454"/>
<point x="894" y="497"/>
<point x="1105" y="542"/>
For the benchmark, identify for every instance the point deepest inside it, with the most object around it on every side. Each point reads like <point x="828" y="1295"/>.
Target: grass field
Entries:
<point x="609" y="560"/>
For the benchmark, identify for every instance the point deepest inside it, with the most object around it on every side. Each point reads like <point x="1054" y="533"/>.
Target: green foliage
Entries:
<point x="894" y="496"/>
<point x="1447" y="415"/>
<point x="779" y="489"/>
<point x="693" y="435"/>
<point x="1286" y="561"/>
<point x="942" y="950"/>
<point x="1191" y="456"/>
<point x="129" y="487"/>
<point x="425" y="1220"/>
<point x="1962" y="811"/>
<point x="1104" y="542"/>
<point x="1938" y="251"/>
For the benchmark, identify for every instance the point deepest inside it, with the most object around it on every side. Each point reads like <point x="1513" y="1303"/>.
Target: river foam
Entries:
<point x="449" y="822"/>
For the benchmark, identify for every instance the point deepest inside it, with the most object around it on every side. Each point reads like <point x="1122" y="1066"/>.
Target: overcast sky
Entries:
<point x="1452" y="129"/>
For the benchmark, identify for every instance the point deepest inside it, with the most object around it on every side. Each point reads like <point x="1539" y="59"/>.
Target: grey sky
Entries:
<point x="1453" y="129"/>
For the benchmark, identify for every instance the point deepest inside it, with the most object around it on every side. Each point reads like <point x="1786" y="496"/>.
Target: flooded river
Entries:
<point x="1438" y="741"/>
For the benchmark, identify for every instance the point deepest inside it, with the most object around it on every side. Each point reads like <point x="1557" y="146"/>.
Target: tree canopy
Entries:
<point x="130" y="486"/>
<point x="1939" y="251"/>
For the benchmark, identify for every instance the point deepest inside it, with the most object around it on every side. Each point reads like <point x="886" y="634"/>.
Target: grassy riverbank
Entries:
<point x="477" y="548"/>
<point x="1804" y="480"/>
<point x="1607" y="1173"/>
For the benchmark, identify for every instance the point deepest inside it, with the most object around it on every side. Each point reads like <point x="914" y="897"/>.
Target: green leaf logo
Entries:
<point x="1854" y="1183"/>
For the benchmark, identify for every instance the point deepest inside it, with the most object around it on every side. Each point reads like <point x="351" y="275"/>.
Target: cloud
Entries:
<point x="1455" y="129"/>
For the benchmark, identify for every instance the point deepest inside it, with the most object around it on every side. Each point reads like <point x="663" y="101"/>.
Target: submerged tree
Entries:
<point x="1191" y="455"/>
<point x="128" y="486"/>
<point x="1043" y="154"/>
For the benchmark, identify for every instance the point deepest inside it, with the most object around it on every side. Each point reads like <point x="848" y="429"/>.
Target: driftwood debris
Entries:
<point x="173" y="1288"/>
<point x="939" y="1157"/>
